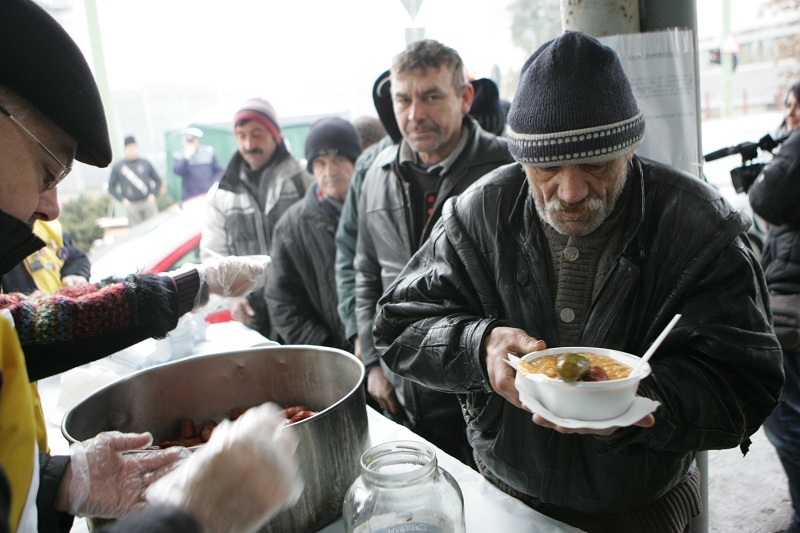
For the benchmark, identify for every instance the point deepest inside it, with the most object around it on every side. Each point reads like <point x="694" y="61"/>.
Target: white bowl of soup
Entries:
<point x="558" y="379"/>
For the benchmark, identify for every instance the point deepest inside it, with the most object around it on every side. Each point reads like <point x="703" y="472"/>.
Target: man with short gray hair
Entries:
<point x="442" y="152"/>
<point x="582" y="243"/>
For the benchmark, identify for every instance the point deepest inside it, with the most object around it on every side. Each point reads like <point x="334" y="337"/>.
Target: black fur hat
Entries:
<point x="486" y="106"/>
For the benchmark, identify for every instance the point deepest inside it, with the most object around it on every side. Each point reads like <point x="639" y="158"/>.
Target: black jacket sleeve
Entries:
<point x="51" y="470"/>
<point x="77" y="263"/>
<point x="5" y="502"/>
<point x="774" y="195"/>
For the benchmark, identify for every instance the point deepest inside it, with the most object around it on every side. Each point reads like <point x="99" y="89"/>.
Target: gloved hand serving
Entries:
<point x="241" y="478"/>
<point x="233" y="276"/>
<point x="230" y="276"/>
<point x="102" y="482"/>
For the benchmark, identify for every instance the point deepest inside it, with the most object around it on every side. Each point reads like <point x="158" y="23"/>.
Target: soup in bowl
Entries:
<point x="580" y="383"/>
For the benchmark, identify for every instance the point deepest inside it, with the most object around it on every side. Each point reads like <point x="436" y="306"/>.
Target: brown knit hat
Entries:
<point x="262" y="111"/>
<point x="574" y="105"/>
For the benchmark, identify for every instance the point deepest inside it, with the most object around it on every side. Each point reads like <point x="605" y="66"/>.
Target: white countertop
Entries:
<point x="486" y="507"/>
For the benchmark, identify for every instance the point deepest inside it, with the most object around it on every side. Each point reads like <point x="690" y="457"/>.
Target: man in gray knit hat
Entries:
<point x="582" y="243"/>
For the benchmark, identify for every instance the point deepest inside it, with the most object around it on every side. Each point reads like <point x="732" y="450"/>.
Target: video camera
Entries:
<point x="744" y="176"/>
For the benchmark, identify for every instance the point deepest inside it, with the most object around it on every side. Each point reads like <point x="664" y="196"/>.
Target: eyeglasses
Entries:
<point x="50" y="181"/>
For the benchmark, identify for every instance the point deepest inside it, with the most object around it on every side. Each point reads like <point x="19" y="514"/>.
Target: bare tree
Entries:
<point x="789" y="46"/>
<point x="534" y="22"/>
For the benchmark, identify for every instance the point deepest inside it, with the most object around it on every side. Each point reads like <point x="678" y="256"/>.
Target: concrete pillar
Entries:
<point x="610" y="17"/>
<point x="600" y="17"/>
<point x="659" y="15"/>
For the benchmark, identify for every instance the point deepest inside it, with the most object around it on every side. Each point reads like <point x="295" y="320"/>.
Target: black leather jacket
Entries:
<point x="775" y="197"/>
<point x="717" y="375"/>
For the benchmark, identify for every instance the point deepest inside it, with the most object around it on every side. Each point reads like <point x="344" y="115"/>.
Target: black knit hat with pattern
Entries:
<point x="332" y="136"/>
<point x="574" y="105"/>
<point x="40" y="62"/>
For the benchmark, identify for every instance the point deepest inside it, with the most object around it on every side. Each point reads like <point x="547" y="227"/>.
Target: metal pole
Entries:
<point x="657" y="15"/>
<point x="726" y="58"/>
<point x="100" y="73"/>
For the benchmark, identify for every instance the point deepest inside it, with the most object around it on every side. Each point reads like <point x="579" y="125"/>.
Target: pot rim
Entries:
<point x="256" y="348"/>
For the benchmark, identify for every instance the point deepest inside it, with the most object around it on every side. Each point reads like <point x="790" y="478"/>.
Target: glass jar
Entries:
<point x="402" y="489"/>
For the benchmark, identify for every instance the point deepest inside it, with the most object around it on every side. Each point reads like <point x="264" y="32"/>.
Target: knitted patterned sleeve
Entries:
<point x="77" y="325"/>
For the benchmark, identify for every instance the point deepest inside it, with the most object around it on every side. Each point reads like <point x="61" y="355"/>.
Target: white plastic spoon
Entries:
<point x="653" y="347"/>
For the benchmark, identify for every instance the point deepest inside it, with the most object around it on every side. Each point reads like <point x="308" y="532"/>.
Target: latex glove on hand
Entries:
<point x="101" y="481"/>
<point x="234" y="276"/>
<point x="229" y="276"/>
<point x="241" y="478"/>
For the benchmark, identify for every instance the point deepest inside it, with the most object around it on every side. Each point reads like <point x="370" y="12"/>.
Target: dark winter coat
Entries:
<point x="717" y="375"/>
<point x="775" y="197"/>
<point x="385" y="243"/>
<point x="301" y="284"/>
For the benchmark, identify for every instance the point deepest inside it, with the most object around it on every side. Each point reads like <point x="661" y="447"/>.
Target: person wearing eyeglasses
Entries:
<point x="135" y="182"/>
<point x="51" y="114"/>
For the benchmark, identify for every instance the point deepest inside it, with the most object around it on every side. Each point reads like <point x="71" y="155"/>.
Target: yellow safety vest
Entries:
<point x="18" y="432"/>
<point x="45" y="265"/>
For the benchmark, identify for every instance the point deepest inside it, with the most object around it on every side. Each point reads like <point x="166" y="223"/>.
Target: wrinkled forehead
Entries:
<point x="422" y="80"/>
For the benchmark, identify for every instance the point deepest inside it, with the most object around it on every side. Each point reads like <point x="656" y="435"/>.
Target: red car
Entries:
<point x="160" y="244"/>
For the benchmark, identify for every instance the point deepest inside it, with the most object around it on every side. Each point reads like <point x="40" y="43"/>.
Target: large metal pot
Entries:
<point x="207" y="387"/>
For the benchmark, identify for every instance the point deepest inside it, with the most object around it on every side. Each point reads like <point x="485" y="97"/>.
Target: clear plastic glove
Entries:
<point x="103" y="482"/>
<point x="241" y="478"/>
<point x="230" y="276"/>
<point x="234" y="276"/>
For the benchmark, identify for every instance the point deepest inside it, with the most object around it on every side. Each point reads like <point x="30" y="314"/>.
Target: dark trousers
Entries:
<point x="783" y="431"/>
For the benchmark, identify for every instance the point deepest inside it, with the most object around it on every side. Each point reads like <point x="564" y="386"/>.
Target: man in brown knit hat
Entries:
<point x="582" y="243"/>
<point x="260" y="183"/>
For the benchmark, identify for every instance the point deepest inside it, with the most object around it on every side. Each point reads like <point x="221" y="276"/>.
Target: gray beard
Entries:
<point x="600" y="210"/>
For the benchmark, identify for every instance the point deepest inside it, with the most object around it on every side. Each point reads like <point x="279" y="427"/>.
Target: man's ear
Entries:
<point x="467" y="96"/>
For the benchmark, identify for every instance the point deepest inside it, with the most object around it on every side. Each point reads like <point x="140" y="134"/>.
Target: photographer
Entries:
<point x="775" y="197"/>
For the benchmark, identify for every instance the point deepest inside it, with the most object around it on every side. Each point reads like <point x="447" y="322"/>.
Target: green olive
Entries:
<point x="572" y="367"/>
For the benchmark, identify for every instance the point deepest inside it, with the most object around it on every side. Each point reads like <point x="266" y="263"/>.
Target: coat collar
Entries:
<point x="633" y="209"/>
<point x="17" y="243"/>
